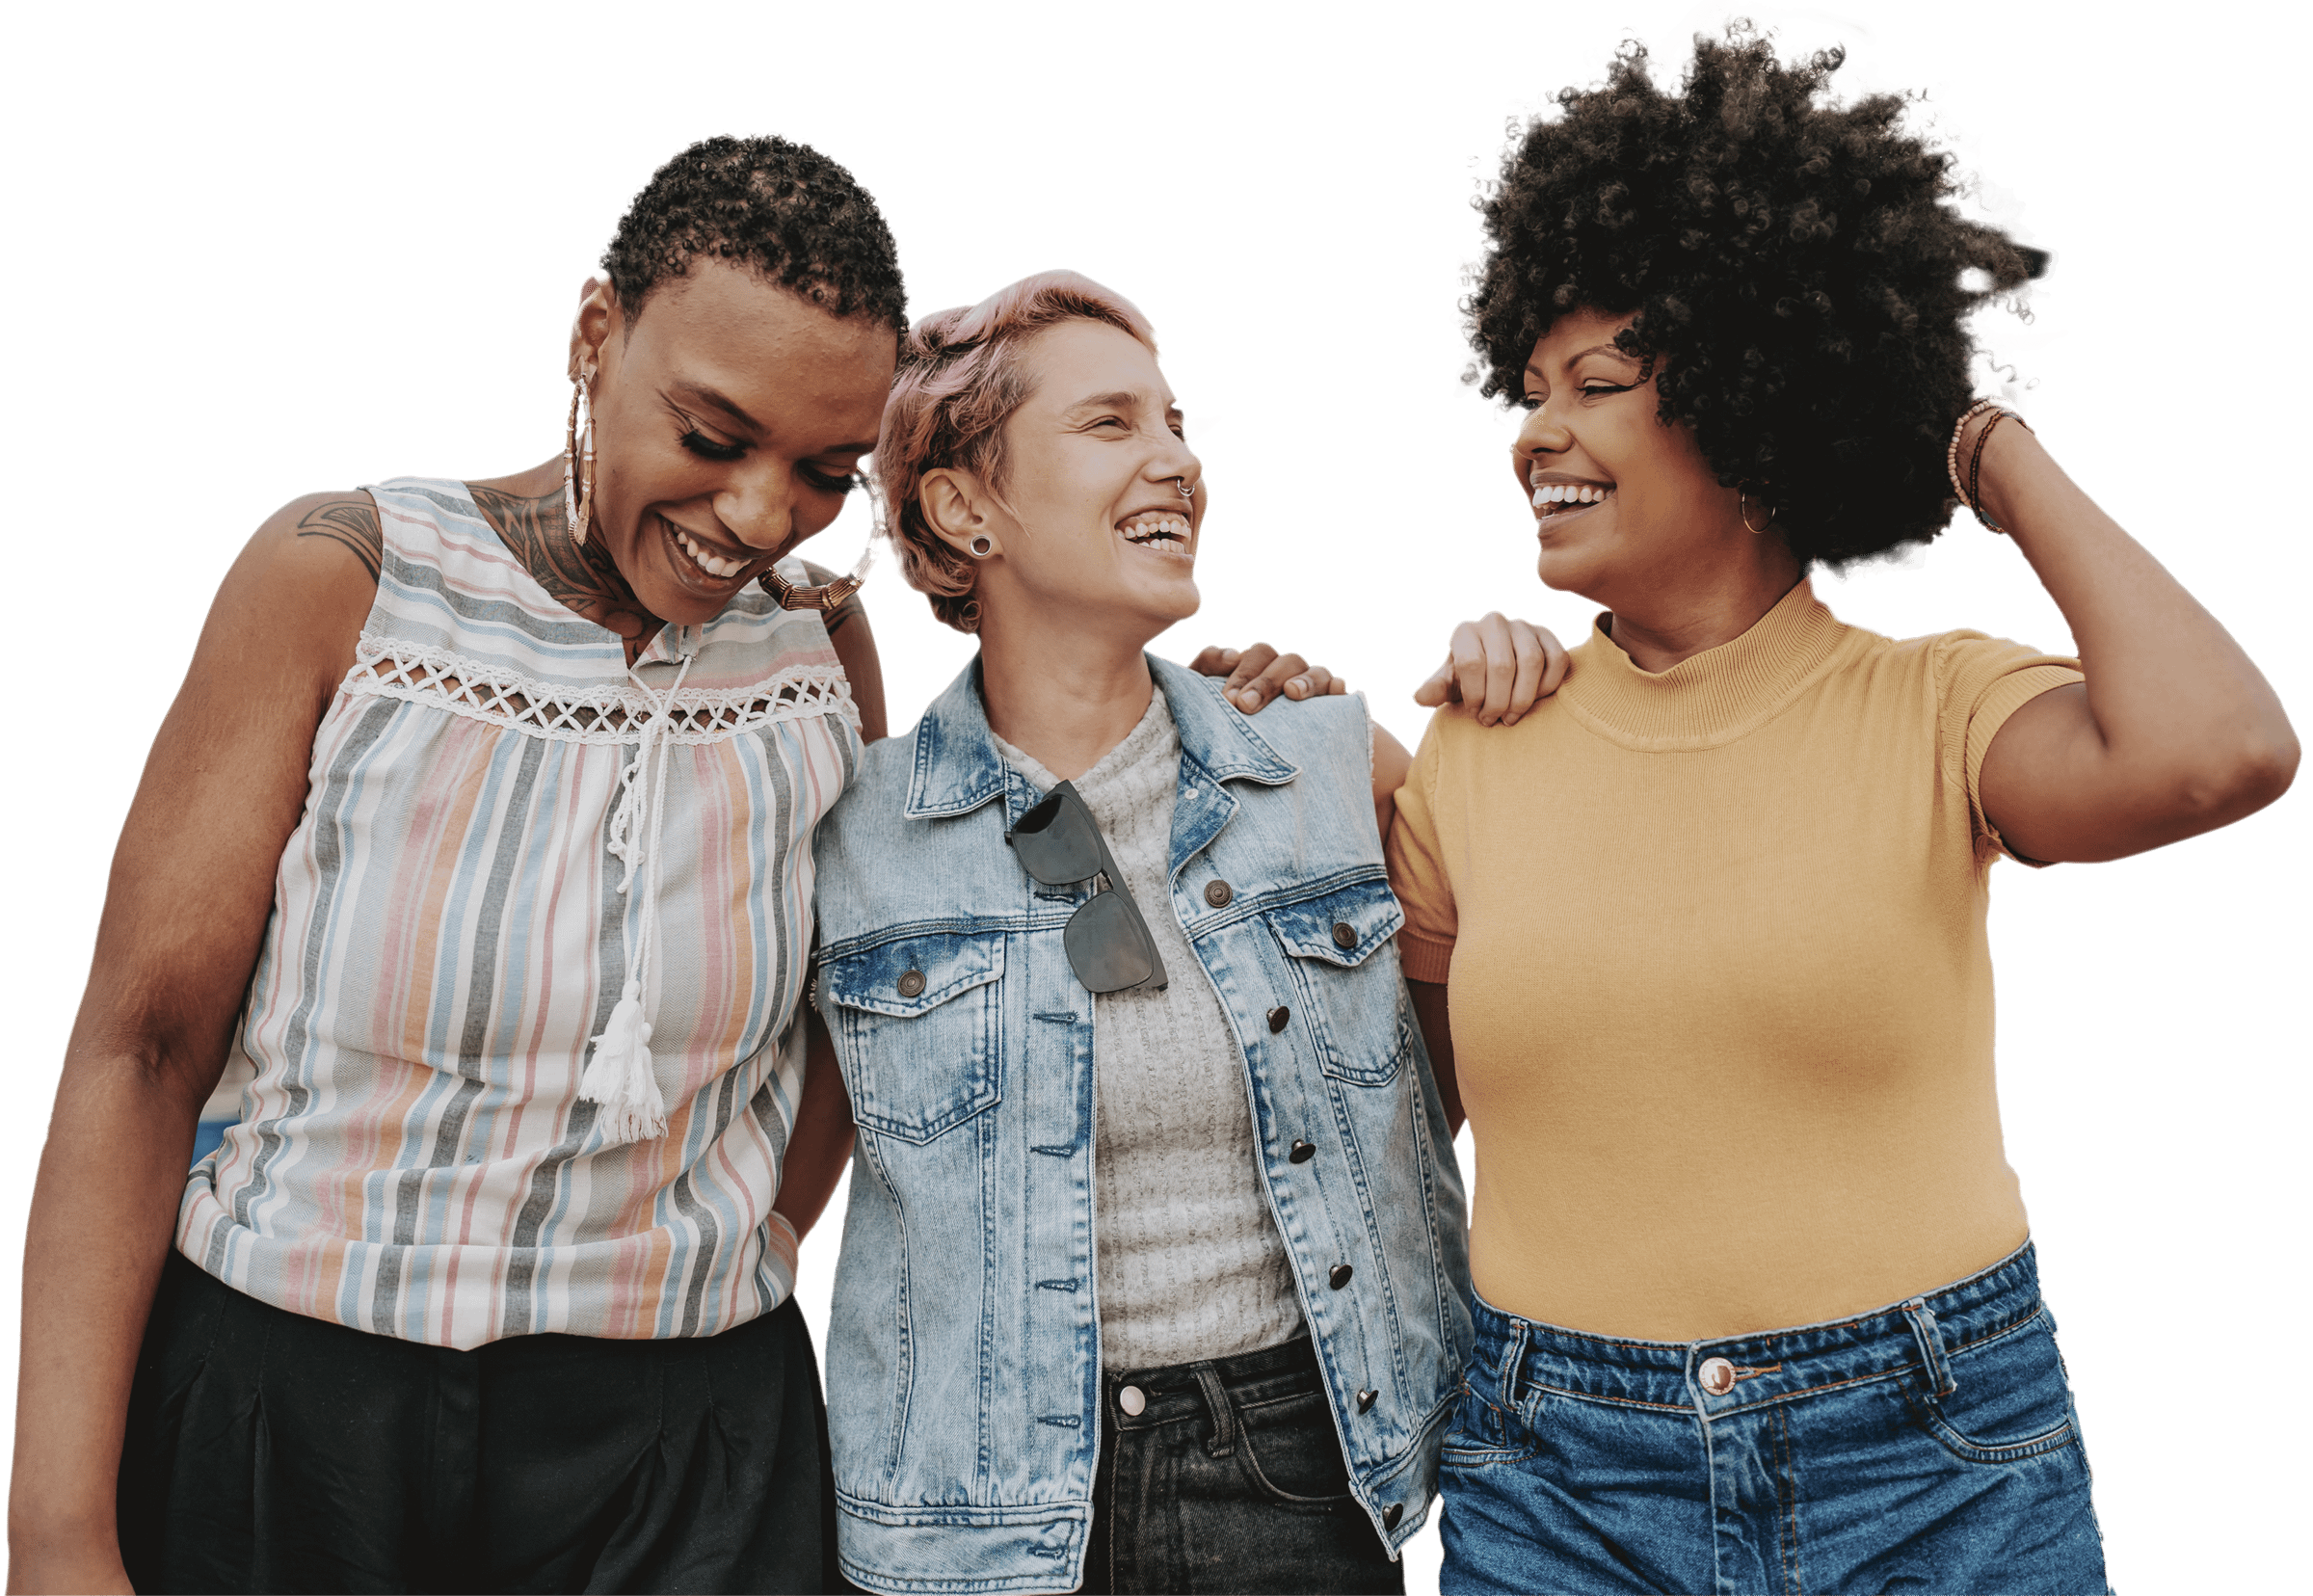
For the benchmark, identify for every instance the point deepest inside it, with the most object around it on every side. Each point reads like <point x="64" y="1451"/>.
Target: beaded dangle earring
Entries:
<point x="578" y="454"/>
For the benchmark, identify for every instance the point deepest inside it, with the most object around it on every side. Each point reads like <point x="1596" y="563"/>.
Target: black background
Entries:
<point x="275" y="273"/>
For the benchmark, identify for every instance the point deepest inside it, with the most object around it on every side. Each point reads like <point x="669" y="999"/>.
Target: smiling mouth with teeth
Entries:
<point x="1149" y="528"/>
<point x="1556" y="499"/>
<point x="714" y="565"/>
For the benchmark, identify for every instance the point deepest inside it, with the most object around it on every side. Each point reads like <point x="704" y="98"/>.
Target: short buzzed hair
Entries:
<point x="783" y="211"/>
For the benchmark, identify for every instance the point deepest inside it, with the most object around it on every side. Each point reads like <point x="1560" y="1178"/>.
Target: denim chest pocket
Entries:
<point x="921" y="1030"/>
<point x="1354" y="1001"/>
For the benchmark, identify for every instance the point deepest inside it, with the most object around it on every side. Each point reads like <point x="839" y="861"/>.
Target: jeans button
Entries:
<point x="1340" y="1276"/>
<point x="1302" y="1152"/>
<point x="1366" y="1400"/>
<point x="1391" y="1514"/>
<point x="1218" y="893"/>
<point x="1718" y="1376"/>
<point x="1280" y="1017"/>
<point x="1133" y="1400"/>
<point x="911" y="985"/>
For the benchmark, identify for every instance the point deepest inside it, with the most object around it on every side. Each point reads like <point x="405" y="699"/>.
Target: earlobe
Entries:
<point x="951" y="509"/>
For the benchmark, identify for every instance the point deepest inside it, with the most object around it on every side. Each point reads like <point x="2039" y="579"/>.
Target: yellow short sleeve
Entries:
<point x="1418" y="873"/>
<point x="1980" y="681"/>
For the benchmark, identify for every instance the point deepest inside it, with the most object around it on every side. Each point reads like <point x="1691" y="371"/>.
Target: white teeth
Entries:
<point x="1561" y="493"/>
<point x="708" y="563"/>
<point x="1149" y="531"/>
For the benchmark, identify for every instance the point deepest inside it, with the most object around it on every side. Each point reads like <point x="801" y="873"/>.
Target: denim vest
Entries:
<point x="963" y="1355"/>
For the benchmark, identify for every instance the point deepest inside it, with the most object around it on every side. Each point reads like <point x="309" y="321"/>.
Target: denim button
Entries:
<point x="1718" y="1376"/>
<point x="1132" y="1402"/>
<point x="1340" y="1276"/>
<point x="911" y="985"/>
<point x="1218" y="893"/>
<point x="1391" y="1514"/>
<point x="1343" y="934"/>
<point x="1280" y="1017"/>
<point x="1302" y="1151"/>
<point x="1366" y="1400"/>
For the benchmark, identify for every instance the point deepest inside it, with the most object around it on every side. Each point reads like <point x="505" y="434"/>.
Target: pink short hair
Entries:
<point x="960" y="377"/>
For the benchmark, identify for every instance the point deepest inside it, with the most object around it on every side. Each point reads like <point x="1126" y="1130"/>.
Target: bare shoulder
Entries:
<point x="302" y="589"/>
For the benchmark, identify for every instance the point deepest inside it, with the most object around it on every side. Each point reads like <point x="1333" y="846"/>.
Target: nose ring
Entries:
<point x="1187" y="491"/>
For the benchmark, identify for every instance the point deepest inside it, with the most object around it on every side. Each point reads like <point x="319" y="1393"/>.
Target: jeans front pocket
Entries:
<point x="1291" y="1454"/>
<point x="2010" y="1399"/>
<point x="1483" y="1435"/>
<point x="921" y="1030"/>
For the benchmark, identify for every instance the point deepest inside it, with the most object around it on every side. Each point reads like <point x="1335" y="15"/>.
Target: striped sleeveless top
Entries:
<point x="453" y="922"/>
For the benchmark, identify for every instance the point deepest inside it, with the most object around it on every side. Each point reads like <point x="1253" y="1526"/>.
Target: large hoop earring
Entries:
<point x="981" y="546"/>
<point x="1743" y="508"/>
<point x="799" y="597"/>
<point x="578" y="456"/>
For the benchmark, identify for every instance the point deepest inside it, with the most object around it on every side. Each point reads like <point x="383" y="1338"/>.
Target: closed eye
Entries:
<point x="708" y="448"/>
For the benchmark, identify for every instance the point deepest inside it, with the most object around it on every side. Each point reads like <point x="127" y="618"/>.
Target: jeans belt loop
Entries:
<point x="1224" y="1413"/>
<point x="1930" y="1337"/>
<point x="1513" y="1355"/>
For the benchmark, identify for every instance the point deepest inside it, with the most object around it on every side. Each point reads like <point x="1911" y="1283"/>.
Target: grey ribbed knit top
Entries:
<point x="1190" y="1265"/>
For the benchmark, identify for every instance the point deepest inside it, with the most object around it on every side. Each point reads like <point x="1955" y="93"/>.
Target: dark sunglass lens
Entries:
<point x="1056" y="842"/>
<point x="1106" y="948"/>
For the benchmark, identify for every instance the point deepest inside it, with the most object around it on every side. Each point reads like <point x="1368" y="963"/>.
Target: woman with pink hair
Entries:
<point x="1150" y="1277"/>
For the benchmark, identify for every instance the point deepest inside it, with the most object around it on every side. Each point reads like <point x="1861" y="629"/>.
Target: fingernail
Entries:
<point x="1299" y="685"/>
<point x="1509" y="720"/>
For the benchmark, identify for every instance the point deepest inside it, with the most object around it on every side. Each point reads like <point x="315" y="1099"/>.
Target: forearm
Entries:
<point x="819" y="1145"/>
<point x="2177" y="706"/>
<point x="1431" y="1014"/>
<point x="103" y="1212"/>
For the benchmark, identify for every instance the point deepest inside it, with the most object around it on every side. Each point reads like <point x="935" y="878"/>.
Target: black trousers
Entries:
<point x="267" y="1451"/>
<point x="1229" y="1478"/>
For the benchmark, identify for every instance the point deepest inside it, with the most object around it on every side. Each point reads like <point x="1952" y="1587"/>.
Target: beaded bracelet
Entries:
<point x="1952" y="450"/>
<point x="1976" y="468"/>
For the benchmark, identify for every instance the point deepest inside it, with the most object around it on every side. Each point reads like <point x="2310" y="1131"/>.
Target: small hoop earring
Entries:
<point x="1743" y="508"/>
<point x="982" y="546"/>
<point x="578" y="456"/>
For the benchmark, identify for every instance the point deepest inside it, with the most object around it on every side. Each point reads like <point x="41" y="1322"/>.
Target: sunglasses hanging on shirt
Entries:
<point x="1108" y="943"/>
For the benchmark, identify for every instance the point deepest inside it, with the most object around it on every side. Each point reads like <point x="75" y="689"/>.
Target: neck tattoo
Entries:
<point x="583" y="579"/>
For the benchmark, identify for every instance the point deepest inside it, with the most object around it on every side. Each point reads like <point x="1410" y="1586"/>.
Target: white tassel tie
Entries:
<point x="622" y="1078"/>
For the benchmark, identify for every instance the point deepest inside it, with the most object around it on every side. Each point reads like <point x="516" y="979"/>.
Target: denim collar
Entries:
<point x="958" y="768"/>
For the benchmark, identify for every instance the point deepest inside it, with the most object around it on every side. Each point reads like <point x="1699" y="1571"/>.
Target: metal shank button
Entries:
<point x="1340" y="1276"/>
<point x="1718" y="1376"/>
<point x="1366" y="1400"/>
<point x="911" y="985"/>
<point x="1133" y="1400"/>
<point x="1218" y="893"/>
<point x="1302" y="1151"/>
<point x="1344" y="934"/>
<point x="1280" y="1017"/>
<point x="1391" y="1514"/>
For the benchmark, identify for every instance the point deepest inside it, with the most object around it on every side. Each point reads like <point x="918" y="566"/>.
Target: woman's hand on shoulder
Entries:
<point x="1260" y="673"/>
<point x="1499" y="667"/>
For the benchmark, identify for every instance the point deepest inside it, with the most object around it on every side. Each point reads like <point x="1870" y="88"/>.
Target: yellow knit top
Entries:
<point x="1715" y="945"/>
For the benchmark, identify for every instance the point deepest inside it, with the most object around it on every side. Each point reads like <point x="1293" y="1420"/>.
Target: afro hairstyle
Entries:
<point x="1798" y="279"/>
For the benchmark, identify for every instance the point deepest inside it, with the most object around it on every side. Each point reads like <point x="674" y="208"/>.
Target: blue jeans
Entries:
<point x="1927" y="1446"/>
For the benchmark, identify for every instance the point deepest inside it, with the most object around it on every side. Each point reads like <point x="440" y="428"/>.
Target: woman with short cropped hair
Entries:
<point x="1151" y="1277"/>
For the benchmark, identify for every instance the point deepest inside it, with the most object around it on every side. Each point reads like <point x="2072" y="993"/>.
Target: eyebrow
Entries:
<point x="714" y="400"/>
<point x="1121" y="399"/>
<point x="1594" y="349"/>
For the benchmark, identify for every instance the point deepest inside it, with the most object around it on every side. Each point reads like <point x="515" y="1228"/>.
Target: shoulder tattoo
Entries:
<point x="351" y="521"/>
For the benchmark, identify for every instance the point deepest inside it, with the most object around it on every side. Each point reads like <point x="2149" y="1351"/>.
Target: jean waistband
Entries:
<point x="1207" y="1388"/>
<point x="1515" y="1357"/>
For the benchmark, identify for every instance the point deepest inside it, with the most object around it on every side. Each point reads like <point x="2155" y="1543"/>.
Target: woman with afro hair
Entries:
<point x="1700" y="942"/>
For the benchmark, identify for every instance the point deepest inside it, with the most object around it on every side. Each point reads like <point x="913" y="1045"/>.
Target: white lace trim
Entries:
<point x="383" y="667"/>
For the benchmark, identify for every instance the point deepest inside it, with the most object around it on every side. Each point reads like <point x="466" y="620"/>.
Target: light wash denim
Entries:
<point x="963" y="1360"/>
